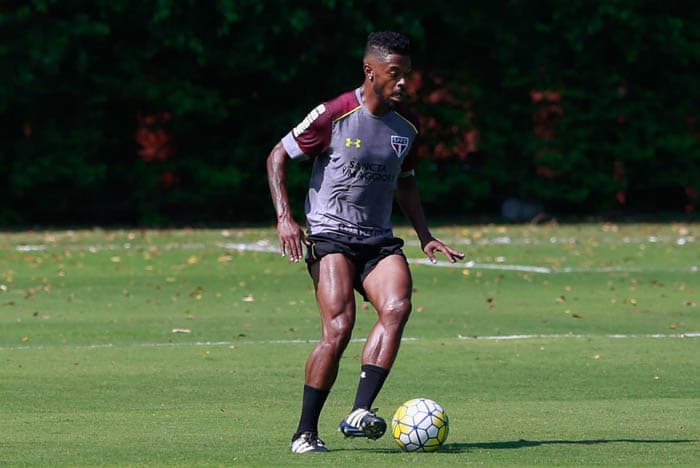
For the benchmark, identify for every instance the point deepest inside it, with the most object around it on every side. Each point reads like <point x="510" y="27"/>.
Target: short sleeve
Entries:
<point x="292" y="147"/>
<point x="311" y="136"/>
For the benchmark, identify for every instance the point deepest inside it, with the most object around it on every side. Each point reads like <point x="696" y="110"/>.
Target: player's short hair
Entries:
<point x="383" y="43"/>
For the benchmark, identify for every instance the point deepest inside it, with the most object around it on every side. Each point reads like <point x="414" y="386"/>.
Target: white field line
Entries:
<point x="267" y="247"/>
<point x="260" y="246"/>
<point x="616" y="336"/>
<point x="507" y="240"/>
<point x="94" y="248"/>
<point x="547" y="270"/>
<point x="621" y="336"/>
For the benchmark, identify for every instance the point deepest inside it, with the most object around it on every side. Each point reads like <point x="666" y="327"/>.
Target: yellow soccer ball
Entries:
<point x="420" y="425"/>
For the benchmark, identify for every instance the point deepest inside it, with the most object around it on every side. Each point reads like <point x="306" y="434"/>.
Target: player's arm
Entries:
<point x="291" y="236"/>
<point x="408" y="199"/>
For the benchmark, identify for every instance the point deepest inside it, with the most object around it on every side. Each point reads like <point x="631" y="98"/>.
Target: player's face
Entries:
<point x="390" y="78"/>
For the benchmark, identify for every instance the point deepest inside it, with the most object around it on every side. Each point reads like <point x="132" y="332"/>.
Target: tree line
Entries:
<point x="163" y="112"/>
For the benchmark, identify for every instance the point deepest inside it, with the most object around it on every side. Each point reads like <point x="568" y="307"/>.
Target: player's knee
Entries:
<point x="339" y="330"/>
<point x="396" y="311"/>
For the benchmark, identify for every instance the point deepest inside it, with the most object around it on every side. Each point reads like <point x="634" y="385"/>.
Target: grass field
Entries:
<point x="571" y="345"/>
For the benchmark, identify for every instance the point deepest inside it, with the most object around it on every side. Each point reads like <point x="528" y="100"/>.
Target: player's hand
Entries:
<point x="292" y="239"/>
<point x="435" y="245"/>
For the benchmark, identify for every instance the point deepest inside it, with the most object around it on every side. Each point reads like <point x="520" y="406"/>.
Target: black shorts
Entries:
<point x="365" y="254"/>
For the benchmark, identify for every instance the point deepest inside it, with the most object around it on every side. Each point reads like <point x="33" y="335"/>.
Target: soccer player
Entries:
<point x="360" y="143"/>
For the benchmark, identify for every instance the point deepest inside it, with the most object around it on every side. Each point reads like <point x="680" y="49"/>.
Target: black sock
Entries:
<point x="371" y="380"/>
<point x="313" y="402"/>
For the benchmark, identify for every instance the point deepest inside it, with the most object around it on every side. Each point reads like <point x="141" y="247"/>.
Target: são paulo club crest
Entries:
<point x="400" y="144"/>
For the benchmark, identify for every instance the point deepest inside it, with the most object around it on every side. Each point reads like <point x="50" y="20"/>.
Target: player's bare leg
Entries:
<point x="333" y="279"/>
<point x="388" y="287"/>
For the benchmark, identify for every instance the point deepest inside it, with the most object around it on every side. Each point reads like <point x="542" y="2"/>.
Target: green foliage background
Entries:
<point x="234" y="76"/>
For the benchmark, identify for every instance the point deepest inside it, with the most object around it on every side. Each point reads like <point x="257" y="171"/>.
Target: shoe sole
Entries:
<point x="372" y="431"/>
<point x="316" y="450"/>
<point x="375" y="430"/>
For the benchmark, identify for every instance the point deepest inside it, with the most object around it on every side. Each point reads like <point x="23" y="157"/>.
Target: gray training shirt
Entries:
<point x="358" y="157"/>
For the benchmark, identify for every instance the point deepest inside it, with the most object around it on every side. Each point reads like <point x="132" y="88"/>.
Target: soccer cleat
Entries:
<point x="363" y="423"/>
<point x="307" y="442"/>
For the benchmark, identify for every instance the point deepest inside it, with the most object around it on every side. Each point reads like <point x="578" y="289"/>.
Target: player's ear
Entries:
<point x="368" y="71"/>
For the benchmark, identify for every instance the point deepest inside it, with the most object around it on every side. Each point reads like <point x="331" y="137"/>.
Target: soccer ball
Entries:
<point x="420" y="425"/>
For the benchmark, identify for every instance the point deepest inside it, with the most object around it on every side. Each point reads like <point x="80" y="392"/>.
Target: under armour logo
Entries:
<point x="363" y="375"/>
<point x="349" y="141"/>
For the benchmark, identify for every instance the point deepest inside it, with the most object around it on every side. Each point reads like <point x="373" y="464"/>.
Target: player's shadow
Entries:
<point x="522" y="443"/>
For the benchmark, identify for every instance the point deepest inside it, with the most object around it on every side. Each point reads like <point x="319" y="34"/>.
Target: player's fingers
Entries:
<point x="299" y="242"/>
<point x="283" y="246"/>
<point x="298" y="249"/>
<point x="290" y="247"/>
<point x="456" y="253"/>
<point x="429" y="251"/>
<point x="451" y="254"/>
<point x="447" y="253"/>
